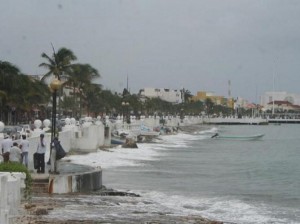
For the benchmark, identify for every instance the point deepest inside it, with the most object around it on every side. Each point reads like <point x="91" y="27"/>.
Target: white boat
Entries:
<point x="238" y="137"/>
<point x="235" y="121"/>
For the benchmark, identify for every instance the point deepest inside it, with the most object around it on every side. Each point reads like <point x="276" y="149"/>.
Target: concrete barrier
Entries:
<point x="87" y="180"/>
<point x="11" y="186"/>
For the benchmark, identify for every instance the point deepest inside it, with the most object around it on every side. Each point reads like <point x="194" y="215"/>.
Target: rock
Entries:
<point x="29" y="206"/>
<point x="110" y="192"/>
<point x="130" y="143"/>
<point x="41" y="211"/>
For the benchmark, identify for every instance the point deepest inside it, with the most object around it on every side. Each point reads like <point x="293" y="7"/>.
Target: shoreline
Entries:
<point x="49" y="208"/>
<point x="61" y="209"/>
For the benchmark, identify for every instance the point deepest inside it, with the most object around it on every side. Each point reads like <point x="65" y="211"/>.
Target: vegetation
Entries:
<point x="23" y="99"/>
<point x="59" y="63"/>
<point x="18" y="167"/>
<point x="20" y="95"/>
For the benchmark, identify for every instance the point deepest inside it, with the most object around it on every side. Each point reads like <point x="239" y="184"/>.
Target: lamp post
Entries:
<point x="54" y="85"/>
<point x="125" y="105"/>
<point x="181" y="115"/>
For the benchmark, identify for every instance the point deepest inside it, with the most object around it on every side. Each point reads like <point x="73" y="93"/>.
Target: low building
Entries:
<point x="217" y="100"/>
<point x="172" y="96"/>
<point x="282" y="106"/>
<point x="269" y="97"/>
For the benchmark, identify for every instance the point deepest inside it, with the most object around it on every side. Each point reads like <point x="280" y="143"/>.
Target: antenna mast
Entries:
<point x="273" y="94"/>
<point x="127" y="82"/>
<point x="229" y="89"/>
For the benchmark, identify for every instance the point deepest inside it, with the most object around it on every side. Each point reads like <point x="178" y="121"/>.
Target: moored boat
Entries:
<point x="238" y="137"/>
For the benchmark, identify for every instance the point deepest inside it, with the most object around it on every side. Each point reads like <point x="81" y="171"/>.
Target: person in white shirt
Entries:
<point x="24" y="146"/>
<point x="7" y="143"/>
<point x="41" y="150"/>
<point x="15" y="153"/>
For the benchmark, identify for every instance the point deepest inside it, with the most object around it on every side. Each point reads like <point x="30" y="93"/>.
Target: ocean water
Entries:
<point x="235" y="181"/>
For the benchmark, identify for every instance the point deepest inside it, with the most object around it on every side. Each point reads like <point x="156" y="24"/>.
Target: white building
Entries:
<point x="240" y="103"/>
<point x="269" y="97"/>
<point x="172" y="96"/>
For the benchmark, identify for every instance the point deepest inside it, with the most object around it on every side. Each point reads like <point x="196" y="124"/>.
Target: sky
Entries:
<point x="198" y="45"/>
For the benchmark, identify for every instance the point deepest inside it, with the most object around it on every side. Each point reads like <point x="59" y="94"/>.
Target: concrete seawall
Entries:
<point x="75" y="178"/>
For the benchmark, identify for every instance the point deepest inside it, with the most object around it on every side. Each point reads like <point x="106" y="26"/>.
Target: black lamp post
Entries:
<point x="125" y="105"/>
<point x="54" y="85"/>
<point x="181" y="115"/>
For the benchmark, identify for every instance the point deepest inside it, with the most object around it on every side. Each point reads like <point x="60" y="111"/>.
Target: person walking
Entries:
<point x="7" y="143"/>
<point x="54" y="146"/>
<point x="41" y="150"/>
<point x="15" y="154"/>
<point x="24" y="146"/>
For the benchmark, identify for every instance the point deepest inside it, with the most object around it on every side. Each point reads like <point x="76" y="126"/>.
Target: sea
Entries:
<point x="191" y="174"/>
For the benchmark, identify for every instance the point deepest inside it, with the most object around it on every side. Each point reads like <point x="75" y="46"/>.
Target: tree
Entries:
<point x="209" y="105"/>
<point x="158" y="105"/>
<point x="92" y="97"/>
<point x="3" y="98"/>
<point x="19" y="93"/>
<point x="125" y="93"/>
<point x="59" y="63"/>
<point x="186" y="95"/>
<point x="80" y="78"/>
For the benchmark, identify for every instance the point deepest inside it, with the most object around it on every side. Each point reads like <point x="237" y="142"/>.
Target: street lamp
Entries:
<point x="125" y="105"/>
<point x="181" y="115"/>
<point x="54" y="85"/>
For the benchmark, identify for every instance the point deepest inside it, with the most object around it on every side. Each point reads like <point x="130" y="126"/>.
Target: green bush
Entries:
<point x="18" y="167"/>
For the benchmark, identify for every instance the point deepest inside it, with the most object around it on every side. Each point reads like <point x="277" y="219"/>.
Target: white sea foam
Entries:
<point x="118" y="156"/>
<point x="217" y="208"/>
<point x="212" y="130"/>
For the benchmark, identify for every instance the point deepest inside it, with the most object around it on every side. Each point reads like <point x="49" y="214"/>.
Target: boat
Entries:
<point x="238" y="137"/>
<point x="117" y="141"/>
<point x="235" y="121"/>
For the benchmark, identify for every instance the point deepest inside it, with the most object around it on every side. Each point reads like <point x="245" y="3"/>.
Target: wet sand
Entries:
<point x="98" y="207"/>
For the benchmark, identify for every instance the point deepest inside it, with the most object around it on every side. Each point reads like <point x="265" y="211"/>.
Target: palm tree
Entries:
<point x="80" y="78"/>
<point x="59" y="64"/>
<point x="186" y="95"/>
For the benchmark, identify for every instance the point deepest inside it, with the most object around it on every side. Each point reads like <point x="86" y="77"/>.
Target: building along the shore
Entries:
<point x="169" y="95"/>
<point x="217" y="100"/>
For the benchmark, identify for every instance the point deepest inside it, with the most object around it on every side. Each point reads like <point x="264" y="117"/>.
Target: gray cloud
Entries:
<point x="195" y="44"/>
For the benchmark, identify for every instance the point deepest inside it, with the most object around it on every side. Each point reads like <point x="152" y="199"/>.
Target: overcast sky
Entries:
<point x="191" y="44"/>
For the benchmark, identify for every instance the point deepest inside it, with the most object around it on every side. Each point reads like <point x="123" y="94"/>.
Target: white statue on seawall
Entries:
<point x="98" y="121"/>
<point x="37" y="131"/>
<point x="46" y="124"/>
<point x="73" y="121"/>
<point x="87" y="122"/>
<point x="119" y="119"/>
<point x="68" y="121"/>
<point x="132" y="119"/>
<point x="68" y="125"/>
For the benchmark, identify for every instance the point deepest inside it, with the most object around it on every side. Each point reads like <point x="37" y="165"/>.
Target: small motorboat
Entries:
<point x="238" y="137"/>
<point x="117" y="141"/>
